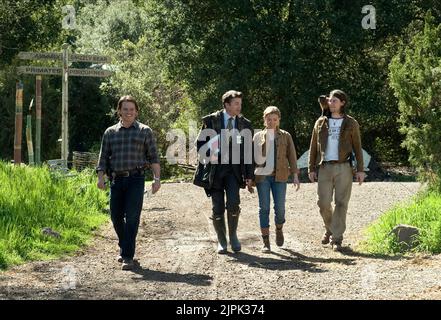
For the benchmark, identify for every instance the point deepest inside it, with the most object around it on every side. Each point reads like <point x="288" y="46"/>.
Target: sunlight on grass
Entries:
<point x="34" y="198"/>
<point x="423" y="212"/>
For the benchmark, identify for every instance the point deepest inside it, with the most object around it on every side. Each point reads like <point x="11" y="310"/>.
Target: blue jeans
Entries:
<point x="126" y="198"/>
<point x="278" y="190"/>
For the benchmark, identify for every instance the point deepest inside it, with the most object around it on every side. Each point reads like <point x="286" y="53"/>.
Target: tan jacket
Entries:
<point x="286" y="159"/>
<point x="349" y="141"/>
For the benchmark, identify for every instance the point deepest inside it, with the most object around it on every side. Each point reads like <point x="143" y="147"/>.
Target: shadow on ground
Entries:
<point x="161" y="276"/>
<point x="275" y="261"/>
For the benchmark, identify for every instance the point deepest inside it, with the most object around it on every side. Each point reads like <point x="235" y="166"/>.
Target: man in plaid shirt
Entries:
<point x="127" y="149"/>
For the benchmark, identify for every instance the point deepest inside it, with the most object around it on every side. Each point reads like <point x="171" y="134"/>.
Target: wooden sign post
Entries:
<point x="64" y="105"/>
<point x="64" y="72"/>
<point x="38" y="120"/>
<point x="18" y="122"/>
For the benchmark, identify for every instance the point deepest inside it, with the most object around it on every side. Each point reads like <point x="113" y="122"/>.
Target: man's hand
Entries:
<point x="296" y="182"/>
<point x="249" y="183"/>
<point x="101" y="183"/>
<point x="156" y="185"/>
<point x="312" y="176"/>
<point x="360" y="177"/>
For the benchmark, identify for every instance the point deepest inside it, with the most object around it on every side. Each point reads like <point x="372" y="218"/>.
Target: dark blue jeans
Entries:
<point x="278" y="189"/>
<point x="126" y="198"/>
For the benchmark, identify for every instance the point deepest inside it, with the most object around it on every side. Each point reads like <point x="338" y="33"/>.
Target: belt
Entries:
<point x="335" y="162"/>
<point x="127" y="173"/>
<point x="330" y="162"/>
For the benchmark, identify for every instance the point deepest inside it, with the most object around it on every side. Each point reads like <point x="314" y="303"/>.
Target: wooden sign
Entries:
<point x="59" y="56"/>
<point x="89" y="72"/>
<point x="40" y="70"/>
<point x="40" y="55"/>
<point x="59" y="71"/>
<point x="64" y="72"/>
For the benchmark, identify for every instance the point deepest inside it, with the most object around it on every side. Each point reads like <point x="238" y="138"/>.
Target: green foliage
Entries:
<point x="124" y="33"/>
<point x="37" y="26"/>
<point x="177" y="57"/>
<point x="286" y="53"/>
<point x="415" y="74"/>
<point x="32" y="199"/>
<point x="29" y="25"/>
<point x="423" y="212"/>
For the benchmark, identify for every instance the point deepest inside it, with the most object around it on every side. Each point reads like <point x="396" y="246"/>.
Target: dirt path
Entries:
<point x="177" y="259"/>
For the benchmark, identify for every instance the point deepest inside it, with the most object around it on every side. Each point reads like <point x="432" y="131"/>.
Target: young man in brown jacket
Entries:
<point x="334" y="137"/>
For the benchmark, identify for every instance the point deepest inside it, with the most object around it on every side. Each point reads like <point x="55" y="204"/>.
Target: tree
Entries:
<point x="286" y="53"/>
<point x="415" y="74"/>
<point x="28" y="26"/>
<point x="125" y="33"/>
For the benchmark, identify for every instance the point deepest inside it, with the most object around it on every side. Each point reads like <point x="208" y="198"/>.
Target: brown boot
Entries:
<point x="336" y="244"/>
<point x="326" y="236"/>
<point x="266" y="241"/>
<point x="279" y="235"/>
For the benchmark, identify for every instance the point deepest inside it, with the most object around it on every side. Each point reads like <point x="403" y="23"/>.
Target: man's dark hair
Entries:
<point x="342" y="96"/>
<point x="230" y="95"/>
<point x="127" y="98"/>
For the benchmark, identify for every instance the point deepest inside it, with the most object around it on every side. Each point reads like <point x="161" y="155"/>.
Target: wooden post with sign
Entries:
<point x="64" y="72"/>
<point x="64" y="105"/>
<point x="18" y="122"/>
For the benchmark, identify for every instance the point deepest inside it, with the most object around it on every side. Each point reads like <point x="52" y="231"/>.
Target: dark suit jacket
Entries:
<point x="241" y="171"/>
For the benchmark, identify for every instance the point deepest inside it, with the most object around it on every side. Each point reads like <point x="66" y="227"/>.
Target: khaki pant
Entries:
<point x="336" y="177"/>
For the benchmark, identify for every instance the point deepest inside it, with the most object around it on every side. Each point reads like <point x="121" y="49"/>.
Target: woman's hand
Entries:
<point x="296" y="182"/>
<point x="249" y="183"/>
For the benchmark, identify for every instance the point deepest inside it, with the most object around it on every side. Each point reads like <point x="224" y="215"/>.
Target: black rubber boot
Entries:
<point x="219" y="227"/>
<point x="233" y="221"/>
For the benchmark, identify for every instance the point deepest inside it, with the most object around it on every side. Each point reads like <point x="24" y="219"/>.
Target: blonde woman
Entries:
<point x="276" y="160"/>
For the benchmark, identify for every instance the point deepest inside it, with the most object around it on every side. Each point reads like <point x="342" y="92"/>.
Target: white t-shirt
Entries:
<point x="331" y="152"/>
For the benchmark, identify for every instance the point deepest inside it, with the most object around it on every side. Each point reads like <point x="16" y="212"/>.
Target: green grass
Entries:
<point x="423" y="211"/>
<point x="34" y="198"/>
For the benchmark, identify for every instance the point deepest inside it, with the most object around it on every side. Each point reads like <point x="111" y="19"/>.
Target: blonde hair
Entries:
<point x="271" y="110"/>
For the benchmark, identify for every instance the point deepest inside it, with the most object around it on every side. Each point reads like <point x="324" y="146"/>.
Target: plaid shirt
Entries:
<point x="127" y="148"/>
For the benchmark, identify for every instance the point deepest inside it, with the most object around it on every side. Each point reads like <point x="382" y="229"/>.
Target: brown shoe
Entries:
<point x="336" y="244"/>
<point x="127" y="264"/>
<point x="336" y="247"/>
<point x="266" y="244"/>
<point x="280" y="239"/>
<point x="266" y="241"/>
<point x="326" y="237"/>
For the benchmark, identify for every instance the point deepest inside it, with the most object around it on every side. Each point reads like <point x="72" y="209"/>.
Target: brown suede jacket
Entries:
<point x="286" y="155"/>
<point x="349" y="141"/>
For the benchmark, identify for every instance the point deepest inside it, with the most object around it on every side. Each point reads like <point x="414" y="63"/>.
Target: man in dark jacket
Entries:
<point x="226" y="138"/>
